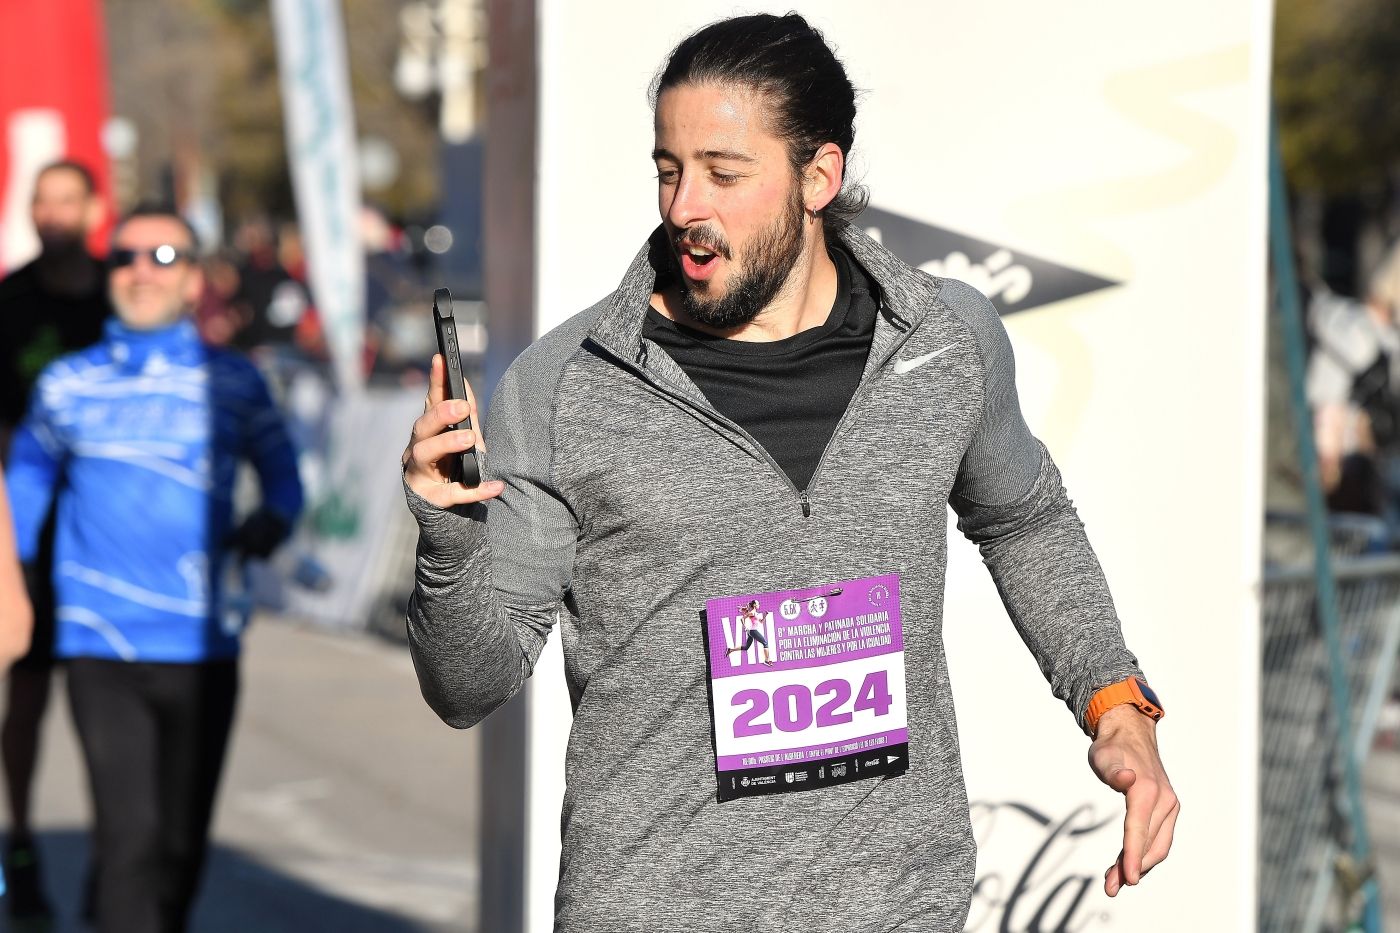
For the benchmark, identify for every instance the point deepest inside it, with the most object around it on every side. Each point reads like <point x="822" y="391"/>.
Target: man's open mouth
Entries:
<point x="698" y="254"/>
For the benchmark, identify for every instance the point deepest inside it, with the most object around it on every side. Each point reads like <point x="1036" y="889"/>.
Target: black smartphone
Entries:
<point x="466" y="470"/>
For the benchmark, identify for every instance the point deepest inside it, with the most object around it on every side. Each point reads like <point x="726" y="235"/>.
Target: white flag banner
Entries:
<point x="320" y="125"/>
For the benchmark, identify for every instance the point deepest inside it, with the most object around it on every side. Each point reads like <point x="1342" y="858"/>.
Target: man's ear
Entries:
<point x="822" y="178"/>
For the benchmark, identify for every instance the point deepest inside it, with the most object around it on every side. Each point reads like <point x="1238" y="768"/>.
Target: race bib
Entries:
<point x="807" y="687"/>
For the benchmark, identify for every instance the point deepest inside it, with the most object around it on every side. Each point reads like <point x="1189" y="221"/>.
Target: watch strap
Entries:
<point x="1129" y="691"/>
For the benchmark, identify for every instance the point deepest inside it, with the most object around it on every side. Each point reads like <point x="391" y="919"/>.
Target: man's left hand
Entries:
<point x="1124" y="756"/>
<point x="259" y="534"/>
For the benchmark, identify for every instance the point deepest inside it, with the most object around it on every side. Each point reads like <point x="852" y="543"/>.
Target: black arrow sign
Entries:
<point x="1013" y="280"/>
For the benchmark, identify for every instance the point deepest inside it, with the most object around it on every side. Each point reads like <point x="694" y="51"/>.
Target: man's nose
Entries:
<point x="689" y="204"/>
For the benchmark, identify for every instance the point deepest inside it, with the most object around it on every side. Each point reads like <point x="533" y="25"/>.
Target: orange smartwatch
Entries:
<point x="1132" y="691"/>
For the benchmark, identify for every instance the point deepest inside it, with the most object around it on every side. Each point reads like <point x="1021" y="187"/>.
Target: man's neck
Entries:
<point x="804" y="301"/>
<point x="68" y="272"/>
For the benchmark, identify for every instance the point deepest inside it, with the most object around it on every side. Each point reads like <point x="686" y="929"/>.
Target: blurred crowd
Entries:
<point x="1353" y="386"/>
<point x="257" y="300"/>
<point x="139" y="379"/>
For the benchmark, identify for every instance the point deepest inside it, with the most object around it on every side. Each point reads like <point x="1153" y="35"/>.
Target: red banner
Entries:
<point x="53" y="104"/>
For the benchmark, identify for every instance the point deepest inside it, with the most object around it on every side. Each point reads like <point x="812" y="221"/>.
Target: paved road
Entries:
<point x="347" y="806"/>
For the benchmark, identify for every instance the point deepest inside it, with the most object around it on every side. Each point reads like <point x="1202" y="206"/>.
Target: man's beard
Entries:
<point x="57" y="241"/>
<point x="768" y="262"/>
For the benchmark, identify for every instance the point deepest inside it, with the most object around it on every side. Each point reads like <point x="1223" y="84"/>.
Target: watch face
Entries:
<point x="1149" y="694"/>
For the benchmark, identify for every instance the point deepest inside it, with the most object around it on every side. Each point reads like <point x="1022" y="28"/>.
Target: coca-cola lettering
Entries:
<point x="1048" y="894"/>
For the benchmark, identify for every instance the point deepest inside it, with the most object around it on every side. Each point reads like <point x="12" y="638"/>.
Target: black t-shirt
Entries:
<point x="36" y="327"/>
<point x="788" y="394"/>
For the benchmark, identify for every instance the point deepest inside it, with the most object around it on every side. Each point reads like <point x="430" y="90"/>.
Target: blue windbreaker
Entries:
<point x="140" y="436"/>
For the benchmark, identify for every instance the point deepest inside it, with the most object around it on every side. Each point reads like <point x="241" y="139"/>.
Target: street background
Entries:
<point x="347" y="806"/>
<point x="452" y="135"/>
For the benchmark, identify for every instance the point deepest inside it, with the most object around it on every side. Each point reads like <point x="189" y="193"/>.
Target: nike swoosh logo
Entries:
<point x="903" y="366"/>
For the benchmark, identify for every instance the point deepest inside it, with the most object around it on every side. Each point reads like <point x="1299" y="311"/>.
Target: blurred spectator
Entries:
<point x="399" y="334"/>
<point x="1354" y="387"/>
<point x="308" y="335"/>
<point x="216" y="314"/>
<point x="53" y="305"/>
<point x="139" y="438"/>
<point x="271" y="295"/>
<point x="56" y="303"/>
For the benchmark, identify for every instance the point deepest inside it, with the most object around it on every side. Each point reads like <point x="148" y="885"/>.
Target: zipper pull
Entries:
<point x="806" y="504"/>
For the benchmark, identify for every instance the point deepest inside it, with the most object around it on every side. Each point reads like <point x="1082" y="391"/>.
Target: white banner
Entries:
<point x="1098" y="169"/>
<point x="320" y="124"/>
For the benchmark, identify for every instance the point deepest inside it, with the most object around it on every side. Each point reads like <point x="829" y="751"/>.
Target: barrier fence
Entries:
<point x="1308" y="880"/>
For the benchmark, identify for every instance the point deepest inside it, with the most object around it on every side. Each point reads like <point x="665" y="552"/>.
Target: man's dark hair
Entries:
<point x="788" y="61"/>
<point x="157" y="209"/>
<point x="77" y="168"/>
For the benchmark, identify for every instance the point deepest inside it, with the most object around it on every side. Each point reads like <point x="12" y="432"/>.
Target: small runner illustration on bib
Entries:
<point x="752" y="620"/>
<point x="807" y="686"/>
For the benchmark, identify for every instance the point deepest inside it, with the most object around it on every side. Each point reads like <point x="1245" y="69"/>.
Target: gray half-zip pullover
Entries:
<point x="630" y="501"/>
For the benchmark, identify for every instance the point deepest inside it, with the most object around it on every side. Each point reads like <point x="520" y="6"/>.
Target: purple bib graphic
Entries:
<point x="807" y="686"/>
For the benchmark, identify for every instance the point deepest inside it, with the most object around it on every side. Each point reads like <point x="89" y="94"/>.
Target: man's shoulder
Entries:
<point x="79" y="367"/>
<point x="23" y="281"/>
<point x="233" y="377"/>
<point x="548" y="355"/>
<point x="228" y="361"/>
<point x="966" y="302"/>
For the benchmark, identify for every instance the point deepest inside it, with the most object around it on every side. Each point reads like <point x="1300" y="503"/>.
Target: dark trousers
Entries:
<point x="154" y="737"/>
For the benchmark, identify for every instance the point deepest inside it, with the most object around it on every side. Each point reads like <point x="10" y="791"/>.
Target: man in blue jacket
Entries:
<point x="140" y="437"/>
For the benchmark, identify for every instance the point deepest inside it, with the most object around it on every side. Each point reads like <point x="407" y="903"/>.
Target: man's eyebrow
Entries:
<point x="659" y="153"/>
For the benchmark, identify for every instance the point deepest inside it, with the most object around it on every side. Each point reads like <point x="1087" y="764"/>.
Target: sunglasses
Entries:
<point x="163" y="256"/>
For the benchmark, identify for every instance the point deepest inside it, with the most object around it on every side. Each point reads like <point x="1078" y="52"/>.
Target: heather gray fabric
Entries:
<point x="629" y="501"/>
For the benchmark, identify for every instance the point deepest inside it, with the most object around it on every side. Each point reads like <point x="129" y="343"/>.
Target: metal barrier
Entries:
<point x="1307" y="882"/>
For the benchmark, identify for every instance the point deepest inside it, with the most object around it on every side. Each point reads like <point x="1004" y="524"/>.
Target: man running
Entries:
<point x="139" y="438"/>
<point x="769" y="400"/>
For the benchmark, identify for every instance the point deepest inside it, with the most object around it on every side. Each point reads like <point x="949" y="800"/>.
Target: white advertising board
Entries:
<point x="1098" y="170"/>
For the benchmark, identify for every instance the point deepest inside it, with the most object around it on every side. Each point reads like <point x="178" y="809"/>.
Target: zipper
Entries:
<point x="638" y="368"/>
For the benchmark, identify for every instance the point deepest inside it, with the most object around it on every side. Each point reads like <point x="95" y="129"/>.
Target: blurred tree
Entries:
<point x="199" y="80"/>
<point x="1336" y="81"/>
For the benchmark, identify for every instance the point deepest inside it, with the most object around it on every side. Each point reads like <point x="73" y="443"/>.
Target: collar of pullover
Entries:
<point x="132" y="348"/>
<point x="907" y="295"/>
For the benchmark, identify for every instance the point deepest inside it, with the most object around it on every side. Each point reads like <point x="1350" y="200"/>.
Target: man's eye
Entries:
<point x="723" y="178"/>
<point x="667" y="176"/>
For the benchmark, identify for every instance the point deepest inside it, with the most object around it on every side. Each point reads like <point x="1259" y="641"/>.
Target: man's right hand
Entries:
<point x="427" y="461"/>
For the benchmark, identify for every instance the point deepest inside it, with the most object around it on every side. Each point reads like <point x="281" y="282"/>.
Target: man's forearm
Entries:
<point x="1054" y="589"/>
<point x="470" y="651"/>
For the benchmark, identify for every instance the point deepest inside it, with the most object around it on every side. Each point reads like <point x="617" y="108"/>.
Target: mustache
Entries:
<point x="704" y="237"/>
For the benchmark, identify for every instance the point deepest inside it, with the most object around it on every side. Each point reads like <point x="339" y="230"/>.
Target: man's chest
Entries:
<point x="171" y="416"/>
<point x="661" y="464"/>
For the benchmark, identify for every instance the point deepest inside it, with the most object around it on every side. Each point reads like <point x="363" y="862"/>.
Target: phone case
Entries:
<point x="467" y="469"/>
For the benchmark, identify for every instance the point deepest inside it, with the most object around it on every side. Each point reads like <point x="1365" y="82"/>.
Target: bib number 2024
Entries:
<point x="796" y="708"/>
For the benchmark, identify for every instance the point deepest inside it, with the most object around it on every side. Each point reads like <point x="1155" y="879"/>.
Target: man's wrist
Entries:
<point x="1132" y="691"/>
<point x="1124" y="715"/>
